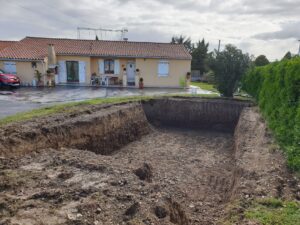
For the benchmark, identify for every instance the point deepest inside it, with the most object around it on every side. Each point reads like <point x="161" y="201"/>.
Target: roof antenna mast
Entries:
<point x="102" y="30"/>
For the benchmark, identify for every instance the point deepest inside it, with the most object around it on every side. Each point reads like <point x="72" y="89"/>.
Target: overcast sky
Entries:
<point x="270" y="27"/>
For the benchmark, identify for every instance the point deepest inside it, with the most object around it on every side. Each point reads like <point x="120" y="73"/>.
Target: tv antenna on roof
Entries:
<point x="102" y="31"/>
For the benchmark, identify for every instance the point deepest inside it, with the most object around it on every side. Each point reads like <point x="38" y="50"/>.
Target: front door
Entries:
<point x="72" y="71"/>
<point x="130" y="73"/>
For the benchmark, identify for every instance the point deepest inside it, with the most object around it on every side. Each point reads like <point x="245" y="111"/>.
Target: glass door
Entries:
<point x="72" y="71"/>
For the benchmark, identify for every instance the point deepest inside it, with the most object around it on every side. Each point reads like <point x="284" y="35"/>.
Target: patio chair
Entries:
<point x="104" y="80"/>
<point x="93" y="79"/>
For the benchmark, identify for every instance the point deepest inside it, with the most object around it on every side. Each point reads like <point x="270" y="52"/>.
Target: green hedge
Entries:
<point x="276" y="87"/>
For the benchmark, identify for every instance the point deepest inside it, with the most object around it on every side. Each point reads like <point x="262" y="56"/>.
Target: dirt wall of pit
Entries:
<point x="99" y="129"/>
<point x="260" y="166"/>
<point x="214" y="114"/>
<point x="105" y="129"/>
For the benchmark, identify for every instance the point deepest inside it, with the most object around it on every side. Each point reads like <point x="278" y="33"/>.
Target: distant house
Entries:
<point x="111" y="62"/>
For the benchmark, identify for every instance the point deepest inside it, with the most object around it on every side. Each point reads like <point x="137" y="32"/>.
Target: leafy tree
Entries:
<point x="199" y="54"/>
<point x="288" y="55"/>
<point x="97" y="39"/>
<point x="261" y="61"/>
<point x="187" y="42"/>
<point x="229" y="66"/>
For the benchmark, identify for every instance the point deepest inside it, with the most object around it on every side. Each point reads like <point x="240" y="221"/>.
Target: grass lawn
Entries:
<point x="205" y="86"/>
<point x="274" y="211"/>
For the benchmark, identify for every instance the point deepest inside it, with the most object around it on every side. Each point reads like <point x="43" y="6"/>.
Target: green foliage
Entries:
<point x="198" y="50"/>
<point x="276" y="87"/>
<point x="182" y="82"/>
<point x="270" y="202"/>
<point x="187" y="42"/>
<point x="274" y="211"/>
<point x="210" y="77"/>
<point x="229" y="66"/>
<point x="199" y="54"/>
<point x="261" y="61"/>
<point x="38" y="75"/>
<point x="288" y="55"/>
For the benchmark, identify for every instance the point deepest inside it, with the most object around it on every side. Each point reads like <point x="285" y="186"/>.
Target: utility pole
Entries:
<point x="219" y="46"/>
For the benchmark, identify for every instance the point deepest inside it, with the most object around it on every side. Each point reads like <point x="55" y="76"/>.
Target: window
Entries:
<point x="163" y="68"/>
<point x="10" y="67"/>
<point x="109" y="65"/>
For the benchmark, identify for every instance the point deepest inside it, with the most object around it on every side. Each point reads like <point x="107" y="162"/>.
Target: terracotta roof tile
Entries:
<point x="35" y="48"/>
<point x="4" y="44"/>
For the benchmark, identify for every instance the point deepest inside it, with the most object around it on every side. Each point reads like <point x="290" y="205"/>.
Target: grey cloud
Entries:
<point x="288" y="30"/>
<point x="157" y="20"/>
<point x="261" y="7"/>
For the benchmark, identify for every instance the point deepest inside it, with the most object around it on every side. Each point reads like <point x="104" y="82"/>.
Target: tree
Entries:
<point x="261" y="61"/>
<point x="199" y="54"/>
<point x="187" y="42"/>
<point x="229" y="66"/>
<point x="288" y="55"/>
<point x="97" y="39"/>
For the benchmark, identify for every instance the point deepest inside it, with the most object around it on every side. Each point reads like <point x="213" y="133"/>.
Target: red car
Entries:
<point x="10" y="80"/>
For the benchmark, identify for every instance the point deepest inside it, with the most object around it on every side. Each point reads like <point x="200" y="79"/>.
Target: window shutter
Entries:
<point x="62" y="72"/>
<point x="167" y="68"/>
<point x="160" y="68"/>
<point x="101" y="66"/>
<point x="117" y="66"/>
<point x="82" y="72"/>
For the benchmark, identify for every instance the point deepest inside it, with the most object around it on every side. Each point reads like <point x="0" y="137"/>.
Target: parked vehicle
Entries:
<point x="10" y="80"/>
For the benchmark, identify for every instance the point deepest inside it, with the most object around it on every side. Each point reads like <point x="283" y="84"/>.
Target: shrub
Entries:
<point x="229" y="66"/>
<point x="276" y="87"/>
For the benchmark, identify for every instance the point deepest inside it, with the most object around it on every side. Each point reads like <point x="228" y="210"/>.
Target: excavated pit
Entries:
<point x="163" y="161"/>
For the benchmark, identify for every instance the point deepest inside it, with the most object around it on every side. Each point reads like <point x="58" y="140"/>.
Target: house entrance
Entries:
<point x="72" y="71"/>
<point x="130" y="73"/>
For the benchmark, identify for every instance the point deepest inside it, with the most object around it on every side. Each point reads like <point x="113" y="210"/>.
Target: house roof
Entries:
<point x="35" y="48"/>
<point x="4" y="44"/>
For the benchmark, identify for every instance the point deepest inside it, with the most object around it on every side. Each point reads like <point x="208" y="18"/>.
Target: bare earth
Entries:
<point x="161" y="175"/>
<point x="191" y="175"/>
